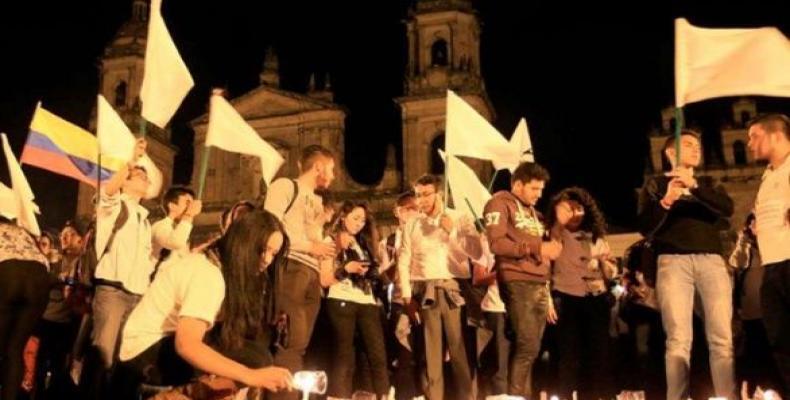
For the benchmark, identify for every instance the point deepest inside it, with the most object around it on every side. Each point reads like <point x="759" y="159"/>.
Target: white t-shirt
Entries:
<point x="773" y="201"/>
<point x="189" y="286"/>
<point x="492" y="301"/>
<point x="346" y="291"/>
<point x="167" y="234"/>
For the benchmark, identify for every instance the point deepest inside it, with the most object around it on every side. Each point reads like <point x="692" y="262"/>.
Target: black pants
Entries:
<point x="158" y="365"/>
<point x="583" y="343"/>
<point x="756" y="364"/>
<point x="348" y="318"/>
<point x="407" y="373"/>
<point x="300" y="298"/>
<point x="527" y="305"/>
<point x="495" y="359"/>
<point x="775" y="301"/>
<point x="56" y="341"/>
<point x="24" y="293"/>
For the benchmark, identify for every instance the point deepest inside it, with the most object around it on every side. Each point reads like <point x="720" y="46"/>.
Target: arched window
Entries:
<point x="439" y="53"/>
<point x="739" y="152"/>
<point x="120" y="94"/>
<point x="437" y="164"/>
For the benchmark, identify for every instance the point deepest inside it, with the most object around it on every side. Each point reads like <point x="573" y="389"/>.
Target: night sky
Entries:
<point x="590" y="77"/>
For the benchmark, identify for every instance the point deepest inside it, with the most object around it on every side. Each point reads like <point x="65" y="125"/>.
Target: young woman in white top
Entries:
<point x="163" y="340"/>
<point x="351" y="302"/>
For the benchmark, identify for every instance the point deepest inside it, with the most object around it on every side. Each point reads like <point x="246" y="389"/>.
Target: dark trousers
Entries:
<point x="24" y="293"/>
<point x="406" y="375"/>
<point x="775" y="301"/>
<point x="300" y="298"/>
<point x="583" y="345"/>
<point x="56" y="340"/>
<point x="495" y="358"/>
<point x="756" y="363"/>
<point x="527" y="305"/>
<point x="348" y="318"/>
<point x="158" y="365"/>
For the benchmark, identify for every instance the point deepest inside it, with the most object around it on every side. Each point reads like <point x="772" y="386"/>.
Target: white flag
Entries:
<point x="469" y="194"/>
<point x="521" y="143"/>
<point x="228" y="131"/>
<point x="8" y="203"/>
<point x="26" y="209"/>
<point x="166" y="79"/>
<point x="116" y="140"/>
<point x="729" y="62"/>
<point x="469" y="134"/>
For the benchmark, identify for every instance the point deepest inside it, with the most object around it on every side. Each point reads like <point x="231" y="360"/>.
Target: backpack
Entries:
<point x="86" y="267"/>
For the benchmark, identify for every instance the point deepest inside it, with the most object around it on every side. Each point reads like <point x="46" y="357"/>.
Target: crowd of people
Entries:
<point x="449" y="305"/>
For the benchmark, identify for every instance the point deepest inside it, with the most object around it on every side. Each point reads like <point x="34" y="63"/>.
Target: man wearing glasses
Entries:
<point x="125" y="263"/>
<point x="435" y="249"/>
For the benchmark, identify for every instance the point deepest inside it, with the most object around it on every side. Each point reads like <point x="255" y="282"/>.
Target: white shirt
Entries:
<point x="388" y="262"/>
<point x="169" y="235"/>
<point x="129" y="259"/>
<point x="492" y="301"/>
<point x="190" y="286"/>
<point x="428" y="252"/>
<point x="304" y="221"/>
<point x="773" y="201"/>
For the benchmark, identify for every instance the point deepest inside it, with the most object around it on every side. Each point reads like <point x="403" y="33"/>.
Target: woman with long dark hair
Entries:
<point x="24" y="292"/>
<point x="582" y="301"/>
<point x="351" y="303"/>
<point x="163" y="341"/>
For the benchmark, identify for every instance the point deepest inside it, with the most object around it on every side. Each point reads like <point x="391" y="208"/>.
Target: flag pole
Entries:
<point x="474" y="214"/>
<point x="203" y="169"/>
<point x="678" y="128"/>
<point x="446" y="175"/>
<point x="493" y="179"/>
<point x="143" y="126"/>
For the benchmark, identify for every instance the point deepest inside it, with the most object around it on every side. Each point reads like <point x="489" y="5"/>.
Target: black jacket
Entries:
<point x="692" y="225"/>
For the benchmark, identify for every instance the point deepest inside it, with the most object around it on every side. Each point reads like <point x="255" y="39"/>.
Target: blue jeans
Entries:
<point x="680" y="277"/>
<point x="111" y="308"/>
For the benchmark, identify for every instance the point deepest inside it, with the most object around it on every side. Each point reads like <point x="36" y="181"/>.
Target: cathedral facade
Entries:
<point x="443" y="39"/>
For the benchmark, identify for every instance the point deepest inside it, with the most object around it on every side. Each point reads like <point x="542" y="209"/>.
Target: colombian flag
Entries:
<point x="59" y="146"/>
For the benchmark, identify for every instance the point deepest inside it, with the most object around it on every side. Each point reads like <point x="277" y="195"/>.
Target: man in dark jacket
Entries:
<point x="685" y="215"/>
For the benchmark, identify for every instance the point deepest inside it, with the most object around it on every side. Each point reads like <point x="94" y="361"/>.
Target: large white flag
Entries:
<point x="227" y="130"/>
<point x="521" y="143"/>
<point x="8" y="202"/>
<point x="166" y="79"/>
<point x="469" y="134"/>
<point x="469" y="194"/>
<point x="729" y="62"/>
<point x="117" y="141"/>
<point x="26" y="208"/>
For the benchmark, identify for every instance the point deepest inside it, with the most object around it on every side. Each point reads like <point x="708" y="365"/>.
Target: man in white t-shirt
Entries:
<point x="301" y="212"/>
<point x="769" y="139"/>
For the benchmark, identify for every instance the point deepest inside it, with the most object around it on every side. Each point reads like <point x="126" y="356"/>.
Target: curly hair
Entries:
<point x="593" y="222"/>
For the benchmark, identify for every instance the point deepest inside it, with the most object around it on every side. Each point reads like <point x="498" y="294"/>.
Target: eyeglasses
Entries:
<point x="423" y="194"/>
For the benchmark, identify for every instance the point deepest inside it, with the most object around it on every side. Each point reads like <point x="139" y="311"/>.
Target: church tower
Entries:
<point x="443" y="53"/>
<point x="120" y="78"/>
